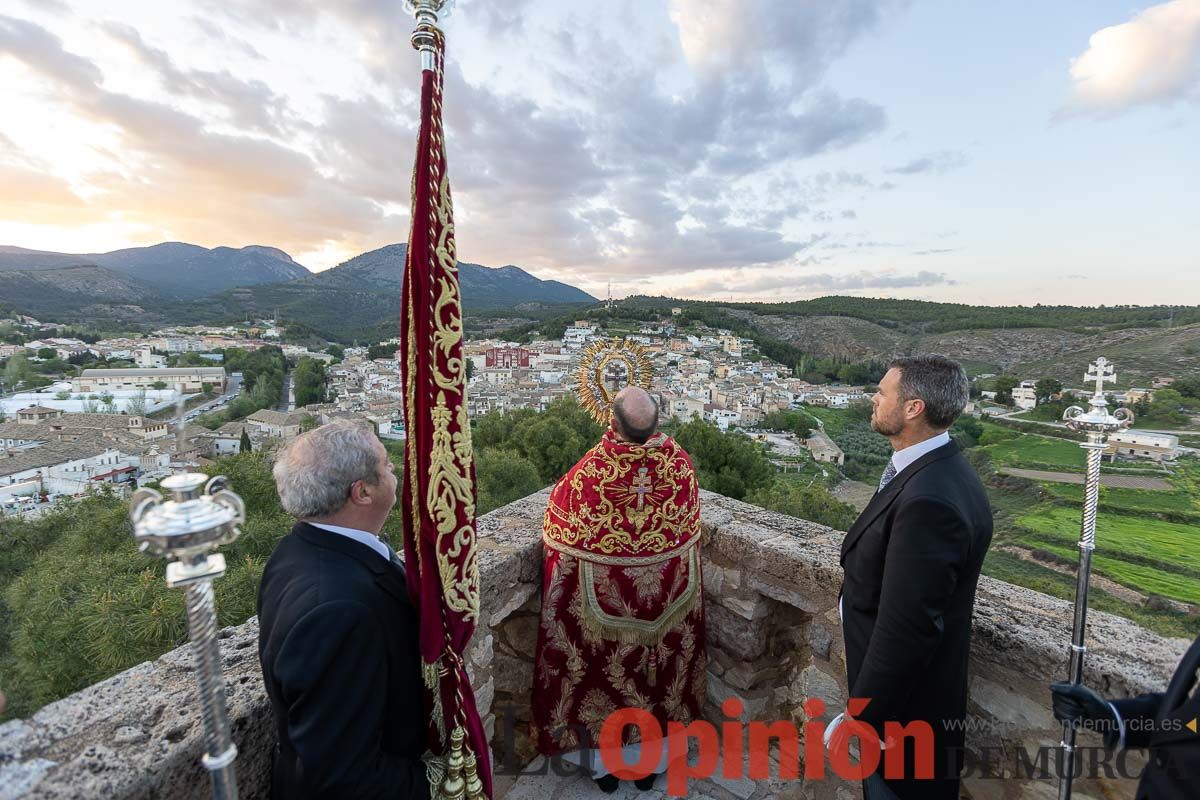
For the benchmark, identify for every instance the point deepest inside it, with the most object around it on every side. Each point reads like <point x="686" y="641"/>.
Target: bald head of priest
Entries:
<point x="635" y="415"/>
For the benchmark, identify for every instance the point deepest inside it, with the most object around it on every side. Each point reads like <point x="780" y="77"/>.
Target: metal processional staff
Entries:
<point x="199" y="516"/>
<point x="1097" y="423"/>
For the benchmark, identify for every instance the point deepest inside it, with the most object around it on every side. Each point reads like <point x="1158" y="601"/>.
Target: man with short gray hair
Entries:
<point x="912" y="562"/>
<point x="337" y="636"/>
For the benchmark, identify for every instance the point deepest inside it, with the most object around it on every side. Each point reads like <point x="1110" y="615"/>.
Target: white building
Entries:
<point x="276" y="424"/>
<point x="1025" y="396"/>
<point x="66" y="467"/>
<point x="146" y="358"/>
<point x="1143" y="444"/>
<point x="192" y="379"/>
<point x="576" y="336"/>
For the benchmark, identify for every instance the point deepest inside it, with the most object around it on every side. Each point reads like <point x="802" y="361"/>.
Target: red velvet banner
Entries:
<point x="438" y="495"/>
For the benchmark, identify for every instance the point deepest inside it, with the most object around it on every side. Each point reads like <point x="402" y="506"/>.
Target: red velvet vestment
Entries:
<point x="622" y="622"/>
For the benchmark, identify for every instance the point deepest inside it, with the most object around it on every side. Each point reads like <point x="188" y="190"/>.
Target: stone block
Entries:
<point x="807" y="598"/>
<point x="748" y="605"/>
<point x="714" y="579"/>
<point x="742" y="787"/>
<point x="812" y="682"/>
<point x="1009" y="709"/>
<point x="751" y="675"/>
<point x="979" y="789"/>
<point x="820" y="640"/>
<point x="520" y="632"/>
<point x="516" y="597"/>
<point x="754" y="702"/>
<point x="481" y="650"/>
<point x="514" y="677"/>
<point x="484" y="695"/>
<point x="19" y="777"/>
<point x="743" y="639"/>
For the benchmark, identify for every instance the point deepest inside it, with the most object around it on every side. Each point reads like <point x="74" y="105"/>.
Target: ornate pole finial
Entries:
<point x="426" y="13"/>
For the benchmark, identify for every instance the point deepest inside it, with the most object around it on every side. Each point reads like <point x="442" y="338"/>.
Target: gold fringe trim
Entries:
<point x="432" y="674"/>
<point x="630" y="630"/>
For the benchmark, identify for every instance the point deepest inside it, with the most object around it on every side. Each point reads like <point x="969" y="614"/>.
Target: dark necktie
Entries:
<point x="888" y="474"/>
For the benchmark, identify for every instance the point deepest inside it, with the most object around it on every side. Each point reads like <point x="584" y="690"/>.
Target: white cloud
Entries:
<point x="1152" y="59"/>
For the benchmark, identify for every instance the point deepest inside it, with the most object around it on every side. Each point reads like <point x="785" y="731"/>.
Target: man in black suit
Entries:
<point x="1168" y="724"/>
<point x="337" y="633"/>
<point x="911" y="562"/>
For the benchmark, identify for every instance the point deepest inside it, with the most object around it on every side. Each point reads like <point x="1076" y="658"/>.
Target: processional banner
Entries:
<point x="438" y="492"/>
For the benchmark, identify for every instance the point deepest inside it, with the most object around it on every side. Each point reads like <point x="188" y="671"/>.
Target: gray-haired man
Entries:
<point x="337" y="634"/>
<point x="911" y="562"/>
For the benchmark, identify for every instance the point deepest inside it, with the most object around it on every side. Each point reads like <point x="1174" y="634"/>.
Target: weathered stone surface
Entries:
<point x="749" y="676"/>
<point x="484" y="695"/>
<point x="511" y="600"/>
<point x="746" y="604"/>
<point x="1010" y="710"/>
<point x="820" y="640"/>
<point x="802" y="596"/>
<point x="754" y="703"/>
<point x="481" y="650"/>
<point x="815" y="682"/>
<point x="515" y="678"/>
<point x="742" y="787"/>
<point x="742" y="638"/>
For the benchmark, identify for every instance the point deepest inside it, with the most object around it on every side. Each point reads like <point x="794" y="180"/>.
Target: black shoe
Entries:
<point x="646" y="783"/>
<point x="608" y="784"/>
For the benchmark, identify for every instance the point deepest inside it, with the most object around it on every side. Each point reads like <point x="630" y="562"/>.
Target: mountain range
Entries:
<point x="180" y="283"/>
<point x="175" y="269"/>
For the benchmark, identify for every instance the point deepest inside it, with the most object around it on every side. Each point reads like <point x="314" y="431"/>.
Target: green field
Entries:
<point x="1131" y="501"/>
<point x="1008" y="567"/>
<point x="1033" y="452"/>
<point x="1146" y="540"/>
<point x="1128" y="548"/>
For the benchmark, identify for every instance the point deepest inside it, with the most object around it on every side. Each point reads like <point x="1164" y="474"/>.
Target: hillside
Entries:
<point x="180" y="283"/>
<point x="175" y="269"/>
<point x="483" y="287"/>
<point x="77" y="291"/>
<point x="1031" y="341"/>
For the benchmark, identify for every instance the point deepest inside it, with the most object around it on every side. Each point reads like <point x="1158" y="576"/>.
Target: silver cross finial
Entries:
<point x="1102" y="371"/>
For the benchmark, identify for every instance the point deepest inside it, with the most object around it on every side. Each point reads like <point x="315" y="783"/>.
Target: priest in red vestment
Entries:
<point x="622" y="623"/>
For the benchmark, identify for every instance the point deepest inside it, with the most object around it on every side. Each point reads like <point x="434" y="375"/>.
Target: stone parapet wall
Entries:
<point x="774" y="640"/>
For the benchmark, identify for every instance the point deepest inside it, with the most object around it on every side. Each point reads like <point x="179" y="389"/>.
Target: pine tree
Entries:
<point x="245" y="446"/>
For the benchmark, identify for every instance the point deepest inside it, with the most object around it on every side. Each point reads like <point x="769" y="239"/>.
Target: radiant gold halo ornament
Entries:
<point x="607" y="367"/>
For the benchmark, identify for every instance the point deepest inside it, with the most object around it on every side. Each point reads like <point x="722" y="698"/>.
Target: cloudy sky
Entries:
<point x="992" y="153"/>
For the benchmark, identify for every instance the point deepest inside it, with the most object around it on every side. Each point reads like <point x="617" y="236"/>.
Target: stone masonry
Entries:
<point x="771" y="586"/>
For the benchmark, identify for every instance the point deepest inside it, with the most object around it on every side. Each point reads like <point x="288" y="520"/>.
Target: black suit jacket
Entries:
<point x="1159" y="722"/>
<point x="337" y="642"/>
<point x="912" y="562"/>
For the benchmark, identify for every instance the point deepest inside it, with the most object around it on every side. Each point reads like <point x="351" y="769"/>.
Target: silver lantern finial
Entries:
<point x="427" y="13"/>
<point x="1097" y="423"/>
<point x="200" y="516"/>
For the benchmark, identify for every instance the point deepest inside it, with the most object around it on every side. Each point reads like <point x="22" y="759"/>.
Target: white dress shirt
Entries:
<point x="905" y="458"/>
<point x="371" y="540"/>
